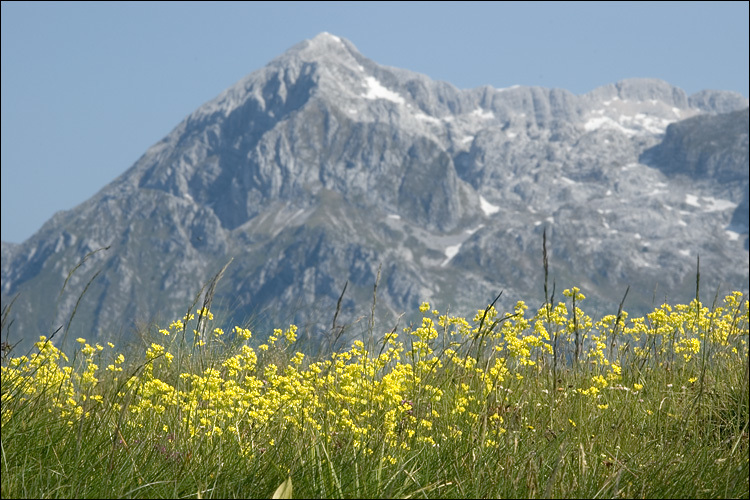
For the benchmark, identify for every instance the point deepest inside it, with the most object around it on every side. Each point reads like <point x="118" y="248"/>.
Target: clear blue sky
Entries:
<point x="88" y="87"/>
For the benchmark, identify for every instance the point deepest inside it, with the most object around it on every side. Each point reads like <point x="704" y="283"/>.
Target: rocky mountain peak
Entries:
<point x="718" y="101"/>
<point x="326" y="63"/>
<point x="642" y="89"/>
<point x="324" y="167"/>
<point x="323" y="48"/>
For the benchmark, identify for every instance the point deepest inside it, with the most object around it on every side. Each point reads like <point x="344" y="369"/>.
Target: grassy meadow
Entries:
<point x="518" y="403"/>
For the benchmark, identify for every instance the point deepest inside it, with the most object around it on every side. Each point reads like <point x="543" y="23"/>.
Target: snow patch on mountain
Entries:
<point x="427" y="118"/>
<point x="692" y="200"/>
<point x="483" y="114"/>
<point x="376" y="90"/>
<point x="638" y="124"/>
<point x="717" y="205"/>
<point x="487" y="207"/>
<point x="709" y="203"/>
<point x="332" y="37"/>
<point x="732" y="235"/>
<point x="450" y="252"/>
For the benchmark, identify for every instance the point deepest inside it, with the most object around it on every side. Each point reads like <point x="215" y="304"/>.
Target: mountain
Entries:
<point x="711" y="150"/>
<point x="324" y="167"/>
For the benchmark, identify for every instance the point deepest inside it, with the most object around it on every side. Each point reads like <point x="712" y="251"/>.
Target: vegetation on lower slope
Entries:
<point x="523" y="403"/>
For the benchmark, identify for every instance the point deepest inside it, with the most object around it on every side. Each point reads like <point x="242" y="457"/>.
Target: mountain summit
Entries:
<point x="324" y="167"/>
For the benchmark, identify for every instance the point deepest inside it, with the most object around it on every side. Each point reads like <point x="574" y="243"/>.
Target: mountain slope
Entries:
<point x="712" y="150"/>
<point x="325" y="167"/>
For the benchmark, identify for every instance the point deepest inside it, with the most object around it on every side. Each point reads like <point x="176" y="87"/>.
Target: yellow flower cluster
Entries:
<point x="394" y="397"/>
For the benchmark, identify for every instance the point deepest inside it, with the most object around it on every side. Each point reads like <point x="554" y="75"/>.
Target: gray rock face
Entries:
<point x="709" y="149"/>
<point x="705" y="147"/>
<point x="712" y="101"/>
<point x="325" y="167"/>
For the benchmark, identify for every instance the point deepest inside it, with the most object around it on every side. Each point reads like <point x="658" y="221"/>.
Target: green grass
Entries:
<point x="503" y="405"/>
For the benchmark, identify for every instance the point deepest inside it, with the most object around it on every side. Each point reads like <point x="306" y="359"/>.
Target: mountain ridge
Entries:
<point x="323" y="166"/>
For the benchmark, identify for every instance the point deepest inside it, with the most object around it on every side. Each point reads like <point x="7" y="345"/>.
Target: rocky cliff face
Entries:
<point x="711" y="151"/>
<point x="325" y="167"/>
